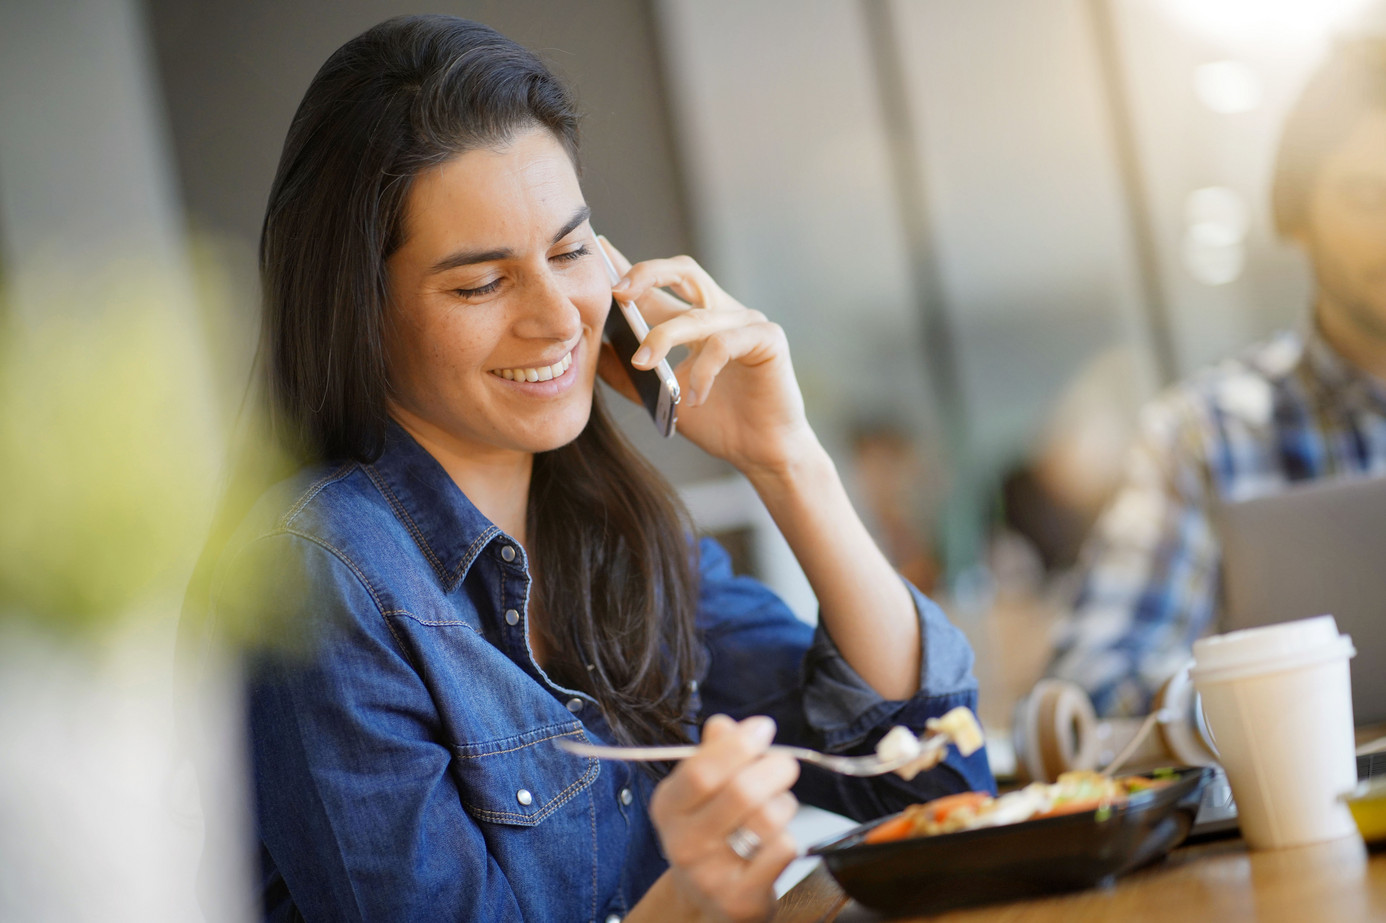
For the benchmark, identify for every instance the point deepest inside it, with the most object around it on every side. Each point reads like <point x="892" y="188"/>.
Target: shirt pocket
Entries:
<point x="523" y="779"/>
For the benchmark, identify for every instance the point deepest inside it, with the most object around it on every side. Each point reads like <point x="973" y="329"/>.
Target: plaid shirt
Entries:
<point x="1289" y="409"/>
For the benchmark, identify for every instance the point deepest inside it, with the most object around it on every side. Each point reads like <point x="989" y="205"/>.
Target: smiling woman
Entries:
<point x="468" y="562"/>
<point x="465" y="311"/>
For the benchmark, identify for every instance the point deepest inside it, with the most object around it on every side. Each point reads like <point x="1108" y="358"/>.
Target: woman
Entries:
<point x="471" y="562"/>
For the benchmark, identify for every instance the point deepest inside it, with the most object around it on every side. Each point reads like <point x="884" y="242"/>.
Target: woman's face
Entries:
<point x="497" y="301"/>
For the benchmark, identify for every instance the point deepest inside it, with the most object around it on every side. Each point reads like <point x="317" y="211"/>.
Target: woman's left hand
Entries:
<point x="740" y="399"/>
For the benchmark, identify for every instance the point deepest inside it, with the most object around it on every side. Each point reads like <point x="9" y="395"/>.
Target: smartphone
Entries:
<point x="625" y="330"/>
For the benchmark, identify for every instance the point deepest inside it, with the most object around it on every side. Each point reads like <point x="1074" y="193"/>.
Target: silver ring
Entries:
<point x="744" y="842"/>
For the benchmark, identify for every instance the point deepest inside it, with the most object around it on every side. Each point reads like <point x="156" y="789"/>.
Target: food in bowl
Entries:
<point x="1073" y="792"/>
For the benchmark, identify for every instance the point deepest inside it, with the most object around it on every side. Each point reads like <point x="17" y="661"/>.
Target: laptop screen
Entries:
<point x="1313" y="549"/>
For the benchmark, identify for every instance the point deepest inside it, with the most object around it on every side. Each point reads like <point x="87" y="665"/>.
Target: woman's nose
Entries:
<point x="550" y="311"/>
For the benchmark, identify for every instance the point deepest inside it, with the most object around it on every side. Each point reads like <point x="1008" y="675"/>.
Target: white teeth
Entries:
<point x="542" y="373"/>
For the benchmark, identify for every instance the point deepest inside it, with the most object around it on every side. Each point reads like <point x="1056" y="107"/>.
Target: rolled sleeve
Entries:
<point x="846" y="709"/>
<point x="763" y="660"/>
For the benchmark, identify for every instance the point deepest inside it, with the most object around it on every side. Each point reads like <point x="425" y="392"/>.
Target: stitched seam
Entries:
<point x="468" y="556"/>
<point x="341" y="556"/>
<point x="313" y="490"/>
<point x="471" y="553"/>
<point x="592" y="819"/>
<point x="432" y="623"/>
<point x="360" y="575"/>
<point x="538" y="740"/>
<point x="403" y="515"/>
<point x="552" y="805"/>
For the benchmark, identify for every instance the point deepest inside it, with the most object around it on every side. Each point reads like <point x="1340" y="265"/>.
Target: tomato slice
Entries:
<point x="897" y="828"/>
<point x="941" y="808"/>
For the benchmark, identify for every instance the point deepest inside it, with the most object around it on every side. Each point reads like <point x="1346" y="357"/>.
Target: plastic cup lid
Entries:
<point x="1287" y="644"/>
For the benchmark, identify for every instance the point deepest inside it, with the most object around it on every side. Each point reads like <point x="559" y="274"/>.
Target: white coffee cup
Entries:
<point x="1278" y="703"/>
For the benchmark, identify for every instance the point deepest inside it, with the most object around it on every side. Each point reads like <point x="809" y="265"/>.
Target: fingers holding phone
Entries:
<point x="626" y="330"/>
<point x="741" y="401"/>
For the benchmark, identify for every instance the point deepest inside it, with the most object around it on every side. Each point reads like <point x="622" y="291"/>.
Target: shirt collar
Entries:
<point x="449" y="529"/>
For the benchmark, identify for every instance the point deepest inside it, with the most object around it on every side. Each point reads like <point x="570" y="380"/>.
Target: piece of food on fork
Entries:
<point x="958" y="726"/>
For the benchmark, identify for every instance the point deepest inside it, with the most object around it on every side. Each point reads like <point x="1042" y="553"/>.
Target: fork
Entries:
<point x="869" y="765"/>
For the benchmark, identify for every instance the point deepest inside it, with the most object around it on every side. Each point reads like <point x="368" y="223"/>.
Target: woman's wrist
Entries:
<point x="665" y="902"/>
<point x="803" y="469"/>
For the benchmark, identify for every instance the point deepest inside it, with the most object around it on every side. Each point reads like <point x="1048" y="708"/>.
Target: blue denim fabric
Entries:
<point x="402" y="736"/>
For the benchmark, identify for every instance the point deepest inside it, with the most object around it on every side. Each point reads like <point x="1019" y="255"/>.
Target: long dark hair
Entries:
<point x="615" y="573"/>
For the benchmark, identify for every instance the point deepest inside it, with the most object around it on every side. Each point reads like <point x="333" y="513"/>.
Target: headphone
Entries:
<point x="1056" y="729"/>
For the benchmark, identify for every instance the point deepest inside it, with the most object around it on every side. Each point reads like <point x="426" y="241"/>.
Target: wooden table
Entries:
<point x="1219" y="881"/>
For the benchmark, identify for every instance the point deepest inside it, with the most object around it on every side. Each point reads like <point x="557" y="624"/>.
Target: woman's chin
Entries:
<point x="559" y="433"/>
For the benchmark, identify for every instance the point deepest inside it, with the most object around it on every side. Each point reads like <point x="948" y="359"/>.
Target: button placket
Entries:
<point x="514" y="603"/>
<point x="625" y="794"/>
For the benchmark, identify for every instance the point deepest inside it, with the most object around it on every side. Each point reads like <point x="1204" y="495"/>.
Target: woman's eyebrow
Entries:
<point x="470" y="257"/>
<point x="579" y="216"/>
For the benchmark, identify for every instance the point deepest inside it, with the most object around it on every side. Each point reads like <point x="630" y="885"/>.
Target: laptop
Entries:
<point x="1309" y="550"/>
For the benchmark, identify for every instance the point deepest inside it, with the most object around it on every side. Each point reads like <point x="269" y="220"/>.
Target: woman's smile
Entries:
<point x="541" y="372"/>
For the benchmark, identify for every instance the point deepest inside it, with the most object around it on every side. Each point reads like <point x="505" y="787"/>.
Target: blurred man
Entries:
<point x="1305" y="404"/>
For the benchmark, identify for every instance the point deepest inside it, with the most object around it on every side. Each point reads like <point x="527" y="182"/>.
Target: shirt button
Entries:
<point x="613" y="919"/>
<point x="512" y="617"/>
<point x="524" y="797"/>
<point x="508" y="552"/>
<point x="575" y="705"/>
<point x="626" y="796"/>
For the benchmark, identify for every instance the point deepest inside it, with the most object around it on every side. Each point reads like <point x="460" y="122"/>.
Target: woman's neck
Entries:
<point x="496" y="481"/>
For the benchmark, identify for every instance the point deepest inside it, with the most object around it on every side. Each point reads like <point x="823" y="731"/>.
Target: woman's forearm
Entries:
<point x="863" y="603"/>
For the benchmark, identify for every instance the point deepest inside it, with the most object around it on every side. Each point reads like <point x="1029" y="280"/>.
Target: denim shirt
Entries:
<point x="402" y="735"/>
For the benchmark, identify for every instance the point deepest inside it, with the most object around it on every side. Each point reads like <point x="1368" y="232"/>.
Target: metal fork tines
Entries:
<point x="869" y="765"/>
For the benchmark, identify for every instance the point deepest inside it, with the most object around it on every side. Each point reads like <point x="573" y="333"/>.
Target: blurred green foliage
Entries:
<point x="110" y="448"/>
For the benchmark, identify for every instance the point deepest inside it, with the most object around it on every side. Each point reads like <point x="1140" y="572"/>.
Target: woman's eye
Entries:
<point x="486" y="289"/>
<point x="571" y="255"/>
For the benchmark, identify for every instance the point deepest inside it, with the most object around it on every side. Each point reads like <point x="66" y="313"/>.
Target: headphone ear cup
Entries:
<point x="1055" y="730"/>
<point x="1184" y="737"/>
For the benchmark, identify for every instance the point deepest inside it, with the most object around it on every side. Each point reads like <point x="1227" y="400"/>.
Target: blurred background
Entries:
<point x="990" y="228"/>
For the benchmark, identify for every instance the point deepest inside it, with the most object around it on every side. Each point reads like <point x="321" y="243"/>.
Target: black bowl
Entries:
<point x="1054" y="854"/>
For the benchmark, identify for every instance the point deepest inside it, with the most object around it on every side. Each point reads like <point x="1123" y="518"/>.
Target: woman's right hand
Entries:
<point x="729" y="784"/>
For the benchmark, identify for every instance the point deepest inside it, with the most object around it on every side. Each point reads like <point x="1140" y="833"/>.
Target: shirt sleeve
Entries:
<point x="355" y="805"/>
<point x="763" y="660"/>
<point x="1149" y="578"/>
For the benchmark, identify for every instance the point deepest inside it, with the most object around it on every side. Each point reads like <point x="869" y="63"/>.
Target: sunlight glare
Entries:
<point x="1237" y="19"/>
